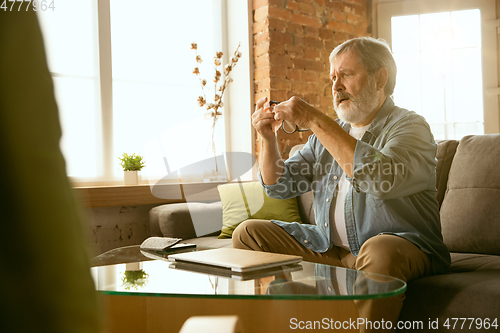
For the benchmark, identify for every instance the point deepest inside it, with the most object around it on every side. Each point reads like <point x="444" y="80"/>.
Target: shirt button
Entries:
<point x="306" y="241"/>
<point x="326" y="224"/>
<point x="335" y="177"/>
<point x="327" y="199"/>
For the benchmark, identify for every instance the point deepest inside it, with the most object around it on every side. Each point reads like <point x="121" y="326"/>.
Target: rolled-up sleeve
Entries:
<point x="404" y="166"/>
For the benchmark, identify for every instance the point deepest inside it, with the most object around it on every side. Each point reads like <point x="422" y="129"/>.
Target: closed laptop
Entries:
<point x="236" y="260"/>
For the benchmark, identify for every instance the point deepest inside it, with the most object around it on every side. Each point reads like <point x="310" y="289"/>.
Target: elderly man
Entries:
<point x="372" y="172"/>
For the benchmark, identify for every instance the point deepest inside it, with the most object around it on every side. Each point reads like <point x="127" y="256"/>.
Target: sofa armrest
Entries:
<point x="186" y="220"/>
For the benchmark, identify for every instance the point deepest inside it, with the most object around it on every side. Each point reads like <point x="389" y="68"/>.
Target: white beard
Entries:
<point x="360" y="106"/>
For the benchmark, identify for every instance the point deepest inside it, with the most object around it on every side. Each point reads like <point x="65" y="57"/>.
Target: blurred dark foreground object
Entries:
<point x="44" y="270"/>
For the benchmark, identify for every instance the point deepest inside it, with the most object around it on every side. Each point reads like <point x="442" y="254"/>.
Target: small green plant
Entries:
<point x="131" y="162"/>
<point x="134" y="279"/>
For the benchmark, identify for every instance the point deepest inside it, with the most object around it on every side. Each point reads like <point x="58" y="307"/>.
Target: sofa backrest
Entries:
<point x="470" y="212"/>
<point x="445" y="153"/>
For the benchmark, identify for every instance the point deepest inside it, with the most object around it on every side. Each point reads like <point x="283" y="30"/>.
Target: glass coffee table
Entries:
<point x="143" y="292"/>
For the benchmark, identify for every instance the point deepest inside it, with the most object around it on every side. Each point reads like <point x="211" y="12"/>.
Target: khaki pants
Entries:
<point x="384" y="254"/>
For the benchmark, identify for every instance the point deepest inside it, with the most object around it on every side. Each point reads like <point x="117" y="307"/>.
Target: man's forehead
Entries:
<point x="345" y="60"/>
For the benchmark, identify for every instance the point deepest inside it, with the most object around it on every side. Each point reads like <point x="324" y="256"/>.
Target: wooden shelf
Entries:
<point x="134" y="195"/>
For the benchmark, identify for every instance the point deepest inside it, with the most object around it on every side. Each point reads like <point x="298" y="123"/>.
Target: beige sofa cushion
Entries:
<point x="470" y="212"/>
<point x="186" y="220"/>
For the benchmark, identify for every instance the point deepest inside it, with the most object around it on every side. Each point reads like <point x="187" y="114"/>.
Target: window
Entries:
<point x="123" y="80"/>
<point x="444" y="63"/>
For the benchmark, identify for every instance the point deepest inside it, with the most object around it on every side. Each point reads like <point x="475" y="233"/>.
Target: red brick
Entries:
<point x="354" y="19"/>
<point x="311" y="32"/>
<point x="341" y="37"/>
<point x="261" y="49"/>
<point x="361" y="30"/>
<point x="260" y="95"/>
<point x="331" y="44"/>
<point x="261" y="13"/>
<point x="298" y="41"/>
<point x="295" y="51"/>
<point x="294" y="74"/>
<point x="278" y="71"/>
<point x="295" y="29"/>
<point x="260" y="26"/>
<point x="338" y="16"/>
<point x="359" y="10"/>
<point x="325" y="101"/>
<point x="313" y="42"/>
<point x="261" y="73"/>
<point x="340" y="26"/>
<point x="308" y="65"/>
<point x="321" y="11"/>
<point x="325" y="34"/>
<point x="281" y="84"/>
<point x="320" y="2"/>
<point x="337" y="5"/>
<point x="263" y="84"/>
<point x="349" y="9"/>
<point x="309" y="76"/>
<point x="280" y="37"/>
<point x="277" y="24"/>
<point x="279" y="95"/>
<point x="259" y="3"/>
<point x="306" y="20"/>
<point x="262" y="61"/>
<point x="277" y="48"/>
<point x="312" y="54"/>
<point x="261" y="37"/>
<point x="283" y="14"/>
<point x="284" y="61"/>
<point x="277" y="3"/>
<point x="312" y="99"/>
<point x="306" y="8"/>
<point x="292" y="5"/>
<point x="304" y="87"/>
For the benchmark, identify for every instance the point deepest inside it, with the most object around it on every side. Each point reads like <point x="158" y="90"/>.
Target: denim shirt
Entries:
<point x="393" y="186"/>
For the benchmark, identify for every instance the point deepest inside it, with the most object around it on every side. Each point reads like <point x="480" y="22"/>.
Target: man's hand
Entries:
<point x="263" y="119"/>
<point x="296" y="112"/>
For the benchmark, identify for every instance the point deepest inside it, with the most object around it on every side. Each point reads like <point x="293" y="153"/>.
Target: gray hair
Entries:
<point x="373" y="54"/>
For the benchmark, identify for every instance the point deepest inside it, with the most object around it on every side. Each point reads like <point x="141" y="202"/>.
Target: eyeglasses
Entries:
<point x="286" y="126"/>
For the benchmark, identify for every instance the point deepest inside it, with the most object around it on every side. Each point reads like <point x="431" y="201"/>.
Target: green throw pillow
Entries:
<point x="243" y="201"/>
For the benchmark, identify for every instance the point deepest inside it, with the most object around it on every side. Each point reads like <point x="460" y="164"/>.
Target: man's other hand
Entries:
<point x="263" y="119"/>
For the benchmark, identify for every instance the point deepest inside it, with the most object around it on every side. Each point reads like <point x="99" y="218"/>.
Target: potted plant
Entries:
<point x="131" y="164"/>
<point x="134" y="277"/>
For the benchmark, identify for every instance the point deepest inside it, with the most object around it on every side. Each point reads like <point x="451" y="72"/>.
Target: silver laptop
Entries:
<point x="236" y="260"/>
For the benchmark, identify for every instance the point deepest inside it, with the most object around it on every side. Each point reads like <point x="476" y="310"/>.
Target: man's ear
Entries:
<point x="382" y="76"/>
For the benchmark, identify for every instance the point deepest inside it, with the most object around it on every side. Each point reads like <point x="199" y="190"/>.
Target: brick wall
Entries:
<point x="292" y="42"/>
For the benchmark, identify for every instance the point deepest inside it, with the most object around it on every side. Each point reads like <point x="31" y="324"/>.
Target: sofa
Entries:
<point x="468" y="191"/>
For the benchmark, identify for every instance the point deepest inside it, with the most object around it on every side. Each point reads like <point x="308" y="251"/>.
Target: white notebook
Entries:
<point x="236" y="260"/>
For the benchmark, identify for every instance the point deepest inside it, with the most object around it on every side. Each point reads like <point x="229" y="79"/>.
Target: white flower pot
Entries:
<point x="131" y="177"/>
<point x="133" y="266"/>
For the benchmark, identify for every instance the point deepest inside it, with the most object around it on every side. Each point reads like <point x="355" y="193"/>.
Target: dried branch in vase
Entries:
<point x="221" y="81"/>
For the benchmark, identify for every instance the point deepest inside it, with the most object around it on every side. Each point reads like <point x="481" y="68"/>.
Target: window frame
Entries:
<point x="238" y="99"/>
<point x="386" y="9"/>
